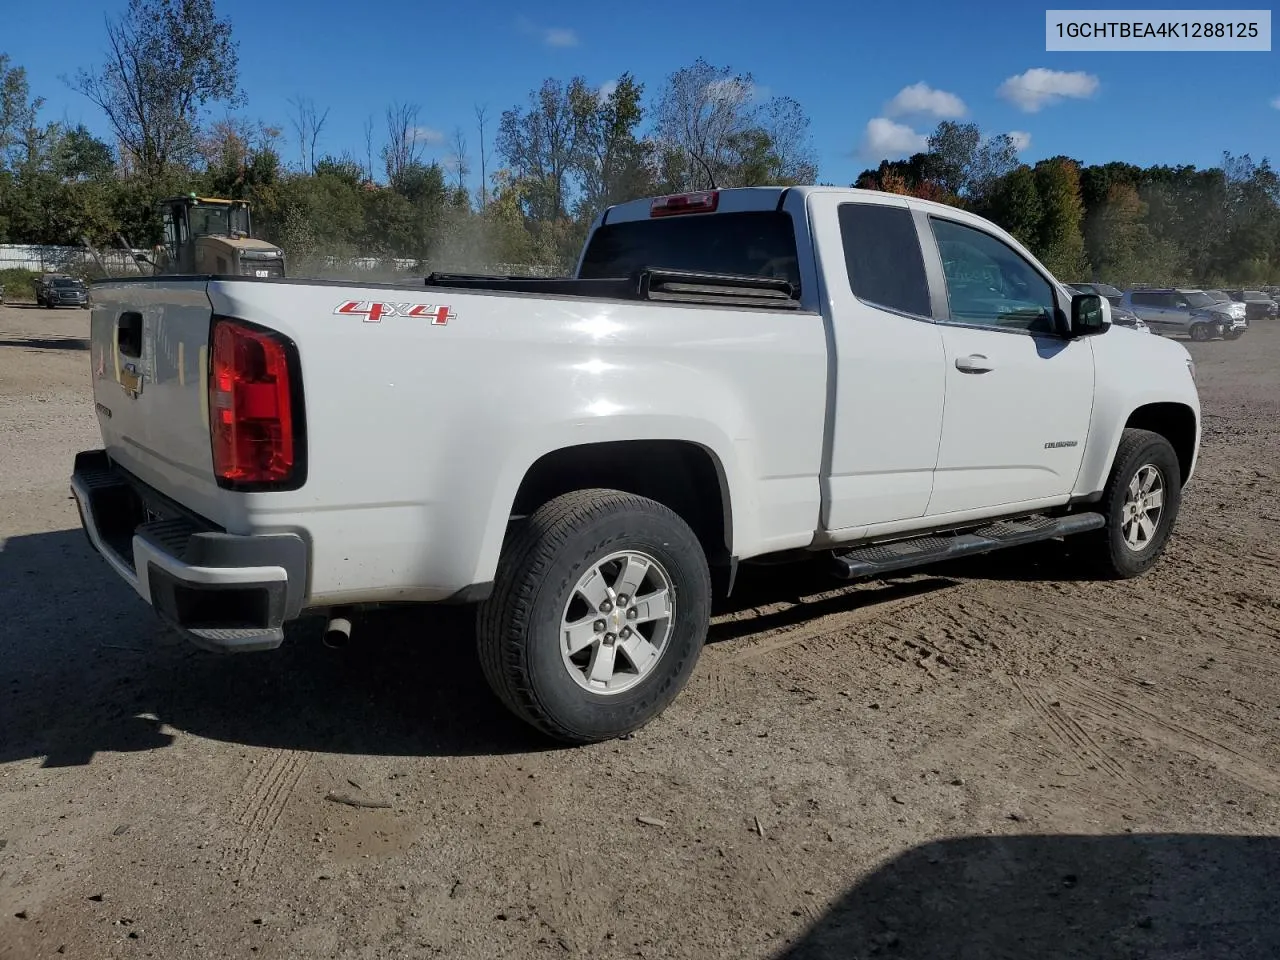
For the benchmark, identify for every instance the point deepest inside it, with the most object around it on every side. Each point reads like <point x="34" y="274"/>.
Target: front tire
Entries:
<point x="598" y="614"/>
<point x="1141" y="502"/>
<point x="1201" y="332"/>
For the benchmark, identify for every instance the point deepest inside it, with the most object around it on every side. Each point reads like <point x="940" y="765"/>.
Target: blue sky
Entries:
<point x="871" y="77"/>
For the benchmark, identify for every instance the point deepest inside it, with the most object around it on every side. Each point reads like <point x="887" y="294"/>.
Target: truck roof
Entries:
<point x="739" y="199"/>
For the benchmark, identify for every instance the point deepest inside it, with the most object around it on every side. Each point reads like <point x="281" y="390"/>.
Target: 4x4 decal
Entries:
<point x="373" y="311"/>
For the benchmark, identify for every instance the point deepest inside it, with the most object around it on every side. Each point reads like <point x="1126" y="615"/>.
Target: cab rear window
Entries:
<point x="757" y="243"/>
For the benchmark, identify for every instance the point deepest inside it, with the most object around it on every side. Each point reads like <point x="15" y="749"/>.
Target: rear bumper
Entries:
<point x="224" y="592"/>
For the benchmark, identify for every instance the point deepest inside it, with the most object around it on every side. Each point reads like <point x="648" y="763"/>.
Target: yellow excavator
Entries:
<point x="205" y="235"/>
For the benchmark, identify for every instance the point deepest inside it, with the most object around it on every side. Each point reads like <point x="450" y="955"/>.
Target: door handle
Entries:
<point x="974" y="363"/>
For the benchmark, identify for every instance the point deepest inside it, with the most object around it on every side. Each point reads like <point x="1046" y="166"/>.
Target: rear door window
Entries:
<point x="883" y="258"/>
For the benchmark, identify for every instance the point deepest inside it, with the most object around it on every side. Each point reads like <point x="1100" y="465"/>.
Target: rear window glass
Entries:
<point x="882" y="255"/>
<point x="752" y="244"/>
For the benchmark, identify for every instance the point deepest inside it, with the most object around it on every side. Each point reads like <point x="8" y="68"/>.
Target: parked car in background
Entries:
<point x="1113" y="295"/>
<point x="1237" y="310"/>
<point x="1257" y="305"/>
<point x="1120" y="315"/>
<point x="1190" y="312"/>
<point x="59" y="290"/>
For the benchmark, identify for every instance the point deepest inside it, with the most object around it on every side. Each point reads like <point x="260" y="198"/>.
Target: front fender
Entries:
<point x="1134" y="371"/>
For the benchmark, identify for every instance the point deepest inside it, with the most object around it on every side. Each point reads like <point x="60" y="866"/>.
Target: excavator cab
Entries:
<point x="203" y="235"/>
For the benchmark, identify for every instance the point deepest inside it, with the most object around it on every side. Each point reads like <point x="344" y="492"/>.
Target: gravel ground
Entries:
<point x="991" y="759"/>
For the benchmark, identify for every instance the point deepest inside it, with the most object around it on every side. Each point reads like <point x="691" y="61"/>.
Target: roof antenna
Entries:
<point x="711" y="177"/>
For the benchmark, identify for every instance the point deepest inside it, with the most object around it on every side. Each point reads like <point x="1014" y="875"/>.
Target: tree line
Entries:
<point x="168" y="90"/>
<point x="1114" y="222"/>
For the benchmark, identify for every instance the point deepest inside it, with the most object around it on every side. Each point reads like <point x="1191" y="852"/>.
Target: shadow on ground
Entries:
<point x="46" y="343"/>
<point x="1154" y="897"/>
<point x="88" y="668"/>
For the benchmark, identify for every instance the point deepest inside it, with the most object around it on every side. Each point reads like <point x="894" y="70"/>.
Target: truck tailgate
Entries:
<point x="149" y="350"/>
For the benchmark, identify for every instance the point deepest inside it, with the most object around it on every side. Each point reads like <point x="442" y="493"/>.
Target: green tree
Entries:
<point x="1014" y="203"/>
<point x="613" y="162"/>
<point x="713" y="130"/>
<point x="166" y="61"/>
<point x="17" y="108"/>
<point x="542" y="145"/>
<point x="966" y="164"/>
<point x="1059" y="238"/>
<point x="82" y="156"/>
<point x="1116" y="235"/>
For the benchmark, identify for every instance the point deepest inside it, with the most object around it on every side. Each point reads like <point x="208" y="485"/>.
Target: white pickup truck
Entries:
<point x="736" y="375"/>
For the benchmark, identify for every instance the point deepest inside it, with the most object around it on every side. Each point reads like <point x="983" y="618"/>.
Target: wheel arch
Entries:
<point x="1177" y="420"/>
<point x="1177" y="423"/>
<point x="685" y="476"/>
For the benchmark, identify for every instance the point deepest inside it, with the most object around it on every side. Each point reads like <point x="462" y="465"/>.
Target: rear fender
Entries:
<point x="736" y="495"/>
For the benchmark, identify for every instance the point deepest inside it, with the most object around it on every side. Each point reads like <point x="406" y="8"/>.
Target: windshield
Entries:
<point x="1218" y="296"/>
<point x="66" y="282"/>
<point x="1197" y="300"/>
<point x="1109" y="291"/>
<point x="219" y="221"/>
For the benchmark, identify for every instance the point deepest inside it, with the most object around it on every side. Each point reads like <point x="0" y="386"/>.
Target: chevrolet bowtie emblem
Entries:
<point x="131" y="380"/>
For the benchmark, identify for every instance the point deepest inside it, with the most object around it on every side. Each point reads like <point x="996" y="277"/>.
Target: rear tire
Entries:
<point x="1141" y="502"/>
<point x="563" y="643"/>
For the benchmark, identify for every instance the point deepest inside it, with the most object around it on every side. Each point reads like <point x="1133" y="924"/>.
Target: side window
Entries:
<point x="1147" y="300"/>
<point x="988" y="284"/>
<point x="882" y="255"/>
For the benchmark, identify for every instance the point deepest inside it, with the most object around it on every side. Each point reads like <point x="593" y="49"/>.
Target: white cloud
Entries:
<point x="426" y="135"/>
<point x="920" y="98"/>
<point x="884" y="140"/>
<point x="559" y="37"/>
<point x="1039" y="87"/>
<point x="550" y="36"/>
<point x="1276" y="103"/>
<point x="606" y="90"/>
<point x="1021" y="139"/>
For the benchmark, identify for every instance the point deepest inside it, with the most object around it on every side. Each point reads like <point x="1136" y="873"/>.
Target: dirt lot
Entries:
<point x="989" y="760"/>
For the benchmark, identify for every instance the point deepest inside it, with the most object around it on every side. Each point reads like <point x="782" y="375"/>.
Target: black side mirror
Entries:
<point x="1090" y="315"/>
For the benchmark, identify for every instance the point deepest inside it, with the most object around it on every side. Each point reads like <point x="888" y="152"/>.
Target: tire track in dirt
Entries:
<point x="262" y="799"/>
<point x="1074" y="738"/>
<point x="816" y="650"/>
<point x="1131" y="716"/>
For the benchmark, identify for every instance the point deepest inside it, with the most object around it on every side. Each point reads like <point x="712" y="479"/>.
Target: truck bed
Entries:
<point x="417" y="421"/>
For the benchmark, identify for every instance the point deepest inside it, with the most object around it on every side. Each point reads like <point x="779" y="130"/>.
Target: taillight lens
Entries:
<point x="251" y="422"/>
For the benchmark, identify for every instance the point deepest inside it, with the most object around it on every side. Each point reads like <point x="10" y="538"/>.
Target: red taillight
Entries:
<point x="704" y="202"/>
<point x="250" y="407"/>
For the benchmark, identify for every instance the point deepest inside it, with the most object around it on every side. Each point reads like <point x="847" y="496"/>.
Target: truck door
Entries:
<point x="1018" y="394"/>
<point x="886" y="367"/>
